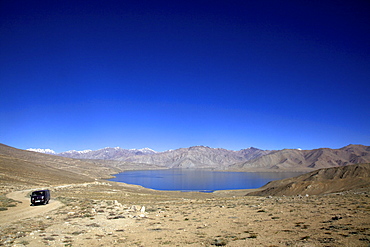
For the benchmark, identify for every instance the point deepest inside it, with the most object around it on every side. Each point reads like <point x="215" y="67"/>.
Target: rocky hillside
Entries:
<point x="308" y="159"/>
<point x="327" y="180"/>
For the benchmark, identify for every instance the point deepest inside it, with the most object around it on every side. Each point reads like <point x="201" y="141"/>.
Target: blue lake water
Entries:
<point x="199" y="180"/>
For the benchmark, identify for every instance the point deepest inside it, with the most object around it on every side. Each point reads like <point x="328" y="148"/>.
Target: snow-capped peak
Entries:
<point x="115" y="148"/>
<point x="41" y="150"/>
<point x="144" y="150"/>
<point x="79" y="152"/>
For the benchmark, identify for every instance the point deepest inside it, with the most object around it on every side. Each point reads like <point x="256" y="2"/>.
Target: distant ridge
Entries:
<point x="199" y="157"/>
<point x="107" y="153"/>
<point x="192" y="157"/>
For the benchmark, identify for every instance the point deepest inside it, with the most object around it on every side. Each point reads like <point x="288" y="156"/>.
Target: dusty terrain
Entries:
<point x="112" y="214"/>
<point x="23" y="209"/>
<point x="87" y="210"/>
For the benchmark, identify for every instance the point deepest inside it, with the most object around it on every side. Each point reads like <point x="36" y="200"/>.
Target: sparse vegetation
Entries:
<point x="6" y="202"/>
<point x="97" y="212"/>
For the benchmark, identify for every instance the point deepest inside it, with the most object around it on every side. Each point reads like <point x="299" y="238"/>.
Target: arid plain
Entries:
<point x="87" y="210"/>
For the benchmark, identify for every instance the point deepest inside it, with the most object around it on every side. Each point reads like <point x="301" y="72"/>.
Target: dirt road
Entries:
<point x="24" y="210"/>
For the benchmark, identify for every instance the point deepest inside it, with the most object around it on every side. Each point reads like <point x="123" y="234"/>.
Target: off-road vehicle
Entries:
<point x="40" y="197"/>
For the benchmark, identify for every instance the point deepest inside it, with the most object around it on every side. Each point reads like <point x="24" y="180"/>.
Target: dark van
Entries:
<point x="40" y="197"/>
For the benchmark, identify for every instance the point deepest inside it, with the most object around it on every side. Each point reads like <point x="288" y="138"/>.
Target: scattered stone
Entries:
<point x="116" y="217"/>
<point x="336" y="218"/>
<point x="219" y="242"/>
<point x="94" y="225"/>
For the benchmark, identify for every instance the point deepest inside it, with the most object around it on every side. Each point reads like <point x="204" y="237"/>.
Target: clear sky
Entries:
<point x="172" y="74"/>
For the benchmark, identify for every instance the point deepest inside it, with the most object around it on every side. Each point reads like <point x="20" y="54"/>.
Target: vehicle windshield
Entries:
<point x="38" y="193"/>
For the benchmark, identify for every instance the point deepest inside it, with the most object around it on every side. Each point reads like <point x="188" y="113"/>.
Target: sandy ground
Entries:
<point x="23" y="209"/>
<point x="107" y="214"/>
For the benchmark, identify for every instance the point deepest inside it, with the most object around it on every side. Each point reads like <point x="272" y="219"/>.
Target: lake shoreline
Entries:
<point x="199" y="180"/>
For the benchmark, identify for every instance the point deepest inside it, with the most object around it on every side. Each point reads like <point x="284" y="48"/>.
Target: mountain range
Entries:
<point x="223" y="159"/>
<point x="346" y="167"/>
<point x="312" y="159"/>
<point x="107" y="153"/>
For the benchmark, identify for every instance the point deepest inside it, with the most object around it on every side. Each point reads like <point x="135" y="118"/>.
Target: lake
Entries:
<point x="199" y="180"/>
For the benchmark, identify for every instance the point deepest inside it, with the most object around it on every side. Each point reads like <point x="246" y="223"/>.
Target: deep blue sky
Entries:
<point x="171" y="74"/>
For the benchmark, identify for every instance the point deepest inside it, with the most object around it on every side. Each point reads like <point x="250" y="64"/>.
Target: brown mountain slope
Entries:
<point x="327" y="180"/>
<point x="309" y="159"/>
<point x="20" y="171"/>
<point x="26" y="167"/>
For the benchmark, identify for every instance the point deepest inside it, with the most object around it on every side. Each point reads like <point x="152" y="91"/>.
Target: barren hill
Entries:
<point x="308" y="159"/>
<point x="26" y="167"/>
<point x="327" y="180"/>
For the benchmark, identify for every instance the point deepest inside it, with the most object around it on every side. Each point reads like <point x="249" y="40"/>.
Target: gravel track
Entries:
<point x="23" y="210"/>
